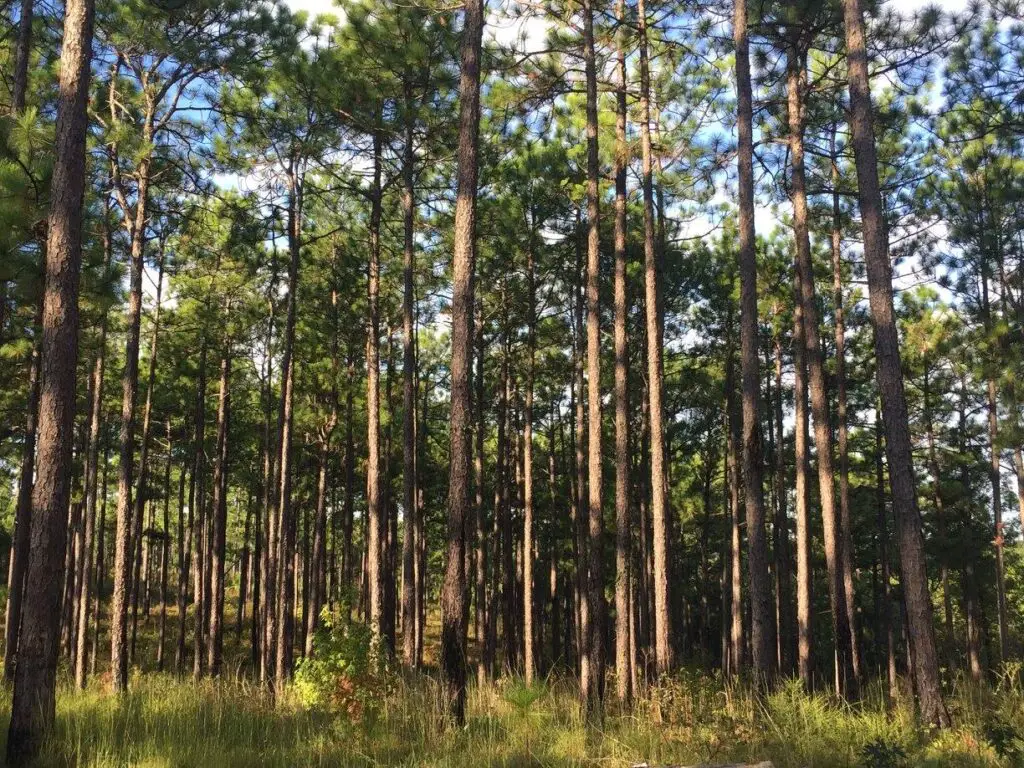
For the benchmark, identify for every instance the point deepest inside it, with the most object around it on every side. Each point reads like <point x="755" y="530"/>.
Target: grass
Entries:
<point x="689" y="719"/>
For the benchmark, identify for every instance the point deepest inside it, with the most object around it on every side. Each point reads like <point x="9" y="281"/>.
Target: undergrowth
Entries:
<point x="686" y="719"/>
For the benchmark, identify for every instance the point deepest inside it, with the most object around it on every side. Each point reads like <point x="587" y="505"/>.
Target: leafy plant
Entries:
<point x="882" y="754"/>
<point x="345" y="674"/>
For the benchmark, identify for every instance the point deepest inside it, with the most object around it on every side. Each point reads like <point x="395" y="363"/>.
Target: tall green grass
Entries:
<point x="690" y="718"/>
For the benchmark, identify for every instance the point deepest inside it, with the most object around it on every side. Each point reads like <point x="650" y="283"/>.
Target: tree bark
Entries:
<point x="23" y="53"/>
<point x="842" y="430"/>
<point x="409" y="388"/>
<point x="762" y="620"/>
<point x="890" y="377"/>
<point x="801" y="440"/>
<point x="529" y="544"/>
<point x="453" y="633"/>
<point x="623" y="659"/>
<point x="165" y="551"/>
<point x="143" y="475"/>
<point x="220" y="509"/>
<point x="284" y="615"/>
<point x="846" y="681"/>
<point x="123" y="542"/>
<point x="592" y="683"/>
<point x="375" y="514"/>
<point x="20" y="546"/>
<point x="655" y="367"/>
<point x="34" y="700"/>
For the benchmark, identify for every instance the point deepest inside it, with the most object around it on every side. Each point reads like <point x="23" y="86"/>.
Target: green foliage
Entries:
<point x="347" y="674"/>
<point x="882" y="754"/>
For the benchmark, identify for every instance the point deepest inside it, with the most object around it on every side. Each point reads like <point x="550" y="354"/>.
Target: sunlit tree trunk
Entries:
<point x="890" y="377"/>
<point x="453" y="632"/>
<point x="762" y="620"/>
<point x="34" y="699"/>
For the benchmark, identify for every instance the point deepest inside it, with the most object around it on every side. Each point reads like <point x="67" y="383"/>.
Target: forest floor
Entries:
<point x="397" y="720"/>
<point x="165" y="721"/>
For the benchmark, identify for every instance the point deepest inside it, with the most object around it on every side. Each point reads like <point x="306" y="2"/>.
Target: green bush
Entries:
<point x="345" y="674"/>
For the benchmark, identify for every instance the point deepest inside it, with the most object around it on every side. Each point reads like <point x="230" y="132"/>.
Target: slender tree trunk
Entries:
<point x="783" y="553"/>
<point x="885" y="632"/>
<point x="34" y="701"/>
<point x="284" y="615"/>
<point x="762" y="621"/>
<point x="165" y="551"/>
<point x="655" y="372"/>
<point x="529" y="544"/>
<point x="483" y="668"/>
<point x="623" y="665"/>
<point x="220" y="511"/>
<point x="376" y="522"/>
<point x="453" y="634"/>
<point x="143" y="475"/>
<point x="795" y="84"/>
<point x="940" y="513"/>
<point x="737" y="641"/>
<point x="20" y="546"/>
<point x="890" y="378"/>
<point x="91" y="487"/>
<point x="592" y="683"/>
<point x="409" y="389"/>
<point x="801" y="440"/>
<point x="196" y="504"/>
<point x="842" y="431"/>
<point x="119" y="652"/>
<point x="23" y="53"/>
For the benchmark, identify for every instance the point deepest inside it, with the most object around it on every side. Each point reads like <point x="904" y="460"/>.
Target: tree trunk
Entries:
<point x="655" y="372"/>
<point x="129" y="395"/>
<point x="762" y="621"/>
<point x="801" y="440"/>
<point x="885" y="632"/>
<point x="783" y="553"/>
<point x="842" y="436"/>
<point x="453" y="634"/>
<point x="220" y="510"/>
<point x="592" y="682"/>
<point x="22" y="55"/>
<point x="623" y="665"/>
<point x="846" y="681"/>
<point x="18" y="568"/>
<point x="890" y="377"/>
<point x="284" y="614"/>
<point x="409" y="389"/>
<point x="34" y="700"/>
<point x="737" y="642"/>
<point x="165" y="551"/>
<point x="376" y="522"/>
<point x="196" y="503"/>
<point x="483" y="668"/>
<point x="140" y="489"/>
<point x="529" y="544"/>
<point x="101" y="527"/>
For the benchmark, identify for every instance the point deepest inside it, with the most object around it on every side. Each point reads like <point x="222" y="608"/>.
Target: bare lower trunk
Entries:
<point x="453" y="632"/>
<point x="34" y="701"/>
<point x="18" y="568"/>
<point x="655" y="373"/>
<point x="408" y="395"/>
<point x="592" y="684"/>
<point x="220" y="515"/>
<point x="801" y="439"/>
<point x="762" y="620"/>
<point x="890" y="377"/>
<point x="795" y="84"/>
<point x="623" y="659"/>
